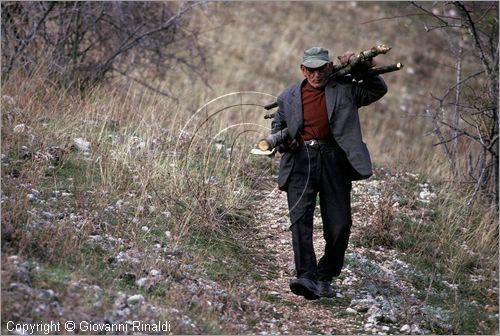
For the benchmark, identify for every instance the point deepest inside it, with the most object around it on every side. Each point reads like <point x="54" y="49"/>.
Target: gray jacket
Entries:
<point x="343" y="97"/>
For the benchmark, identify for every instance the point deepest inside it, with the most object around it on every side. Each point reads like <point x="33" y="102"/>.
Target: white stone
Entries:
<point x="405" y="328"/>
<point x="96" y="238"/>
<point x="21" y="128"/>
<point x="9" y="99"/>
<point x="415" y="329"/>
<point x="47" y="215"/>
<point x="20" y="331"/>
<point x="31" y="197"/>
<point x="349" y="310"/>
<point x="141" y="282"/>
<point x="82" y="144"/>
<point x="135" y="299"/>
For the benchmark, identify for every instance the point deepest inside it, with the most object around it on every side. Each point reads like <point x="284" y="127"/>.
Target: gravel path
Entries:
<point x="373" y="294"/>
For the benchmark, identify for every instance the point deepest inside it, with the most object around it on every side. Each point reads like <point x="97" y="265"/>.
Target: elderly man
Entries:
<point x="325" y="154"/>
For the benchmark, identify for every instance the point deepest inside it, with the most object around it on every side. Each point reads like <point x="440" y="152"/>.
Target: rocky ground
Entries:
<point x="373" y="294"/>
<point x="156" y="279"/>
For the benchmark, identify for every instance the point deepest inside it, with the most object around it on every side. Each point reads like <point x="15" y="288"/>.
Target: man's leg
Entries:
<point x="301" y="195"/>
<point x="303" y="248"/>
<point x="335" y="204"/>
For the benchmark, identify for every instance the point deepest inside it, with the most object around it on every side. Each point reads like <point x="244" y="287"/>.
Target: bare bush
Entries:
<point x="465" y="116"/>
<point x="381" y="213"/>
<point x="86" y="42"/>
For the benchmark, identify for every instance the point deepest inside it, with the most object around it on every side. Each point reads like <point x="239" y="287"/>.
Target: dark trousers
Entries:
<point x="322" y="169"/>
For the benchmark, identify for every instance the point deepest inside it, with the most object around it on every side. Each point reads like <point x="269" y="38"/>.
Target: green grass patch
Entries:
<point x="471" y="320"/>
<point x="336" y="304"/>
<point x="277" y="300"/>
<point x="224" y="258"/>
<point x="435" y="247"/>
<point x="55" y="277"/>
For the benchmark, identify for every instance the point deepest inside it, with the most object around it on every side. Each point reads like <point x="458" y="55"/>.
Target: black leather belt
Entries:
<point x="314" y="142"/>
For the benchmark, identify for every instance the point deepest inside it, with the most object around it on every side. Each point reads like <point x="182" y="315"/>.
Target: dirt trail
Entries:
<point x="373" y="294"/>
<point x="299" y="315"/>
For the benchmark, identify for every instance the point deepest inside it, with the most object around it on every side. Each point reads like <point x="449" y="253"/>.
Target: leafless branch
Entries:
<point x="477" y="39"/>
<point x="393" y="17"/>
<point x="145" y="84"/>
<point x="23" y="43"/>
<point x="471" y="114"/>
<point x="429" y="13"/>
<point x="85" y="41"/>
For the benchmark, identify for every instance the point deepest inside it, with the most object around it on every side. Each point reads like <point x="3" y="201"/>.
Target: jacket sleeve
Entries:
<point x="279" y="117"/>
<point x="369" y="91"/>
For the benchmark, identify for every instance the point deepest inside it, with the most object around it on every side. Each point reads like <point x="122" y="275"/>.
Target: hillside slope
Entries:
<point x="123" y="205"/>
<point x="238" y="289"/>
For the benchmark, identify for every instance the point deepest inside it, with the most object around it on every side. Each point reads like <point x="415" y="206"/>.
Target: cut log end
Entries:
<point x="381" y="48"/>
<point x="264" y="145"/>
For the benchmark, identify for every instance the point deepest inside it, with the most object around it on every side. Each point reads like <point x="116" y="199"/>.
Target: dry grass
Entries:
<point x="141" y="182"/>
<point x="454" y="247"/>
<point x="393" y="131"/>
<point x="167" y="165"/>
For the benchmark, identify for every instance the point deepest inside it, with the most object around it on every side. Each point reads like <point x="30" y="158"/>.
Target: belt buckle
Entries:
<point x="313" y="142"/>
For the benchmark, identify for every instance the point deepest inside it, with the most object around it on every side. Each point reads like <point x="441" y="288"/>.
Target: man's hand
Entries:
<point x="288" y="146"/>
<point x="360" y="66"/>
<point x="344" y="59"/>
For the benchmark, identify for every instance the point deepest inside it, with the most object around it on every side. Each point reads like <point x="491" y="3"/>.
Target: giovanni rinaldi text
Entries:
<point x="61" y="327"/>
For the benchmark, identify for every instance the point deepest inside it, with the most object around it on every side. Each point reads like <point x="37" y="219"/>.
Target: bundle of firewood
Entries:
<point x="351" y="68"/>
<point x="357" y="66"/>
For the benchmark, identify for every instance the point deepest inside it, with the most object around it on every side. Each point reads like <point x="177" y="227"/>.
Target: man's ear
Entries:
<point x="303" y="69"/>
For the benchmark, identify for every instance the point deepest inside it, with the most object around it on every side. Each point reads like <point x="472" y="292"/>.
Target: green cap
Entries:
<point x="315" y="57"/>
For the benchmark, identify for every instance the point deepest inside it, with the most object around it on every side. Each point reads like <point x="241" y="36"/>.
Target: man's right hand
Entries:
<point x="288" y="146"/>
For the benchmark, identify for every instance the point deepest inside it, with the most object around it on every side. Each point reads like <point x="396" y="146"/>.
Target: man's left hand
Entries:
<point x="344" y="59"/>
<point x="359" y="67"/>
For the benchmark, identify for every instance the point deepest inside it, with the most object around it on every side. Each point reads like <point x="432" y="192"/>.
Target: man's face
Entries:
<point x="317" y="77"/>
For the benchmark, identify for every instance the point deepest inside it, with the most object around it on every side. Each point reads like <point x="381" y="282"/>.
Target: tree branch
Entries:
<point x="26" y="41"/>
<point x="146" y="85"/>
<point x="429" y="13"/>
<point x="477" y="40"/>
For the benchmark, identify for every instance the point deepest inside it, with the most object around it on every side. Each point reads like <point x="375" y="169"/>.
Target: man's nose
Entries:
<point x="315" y="74"/>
